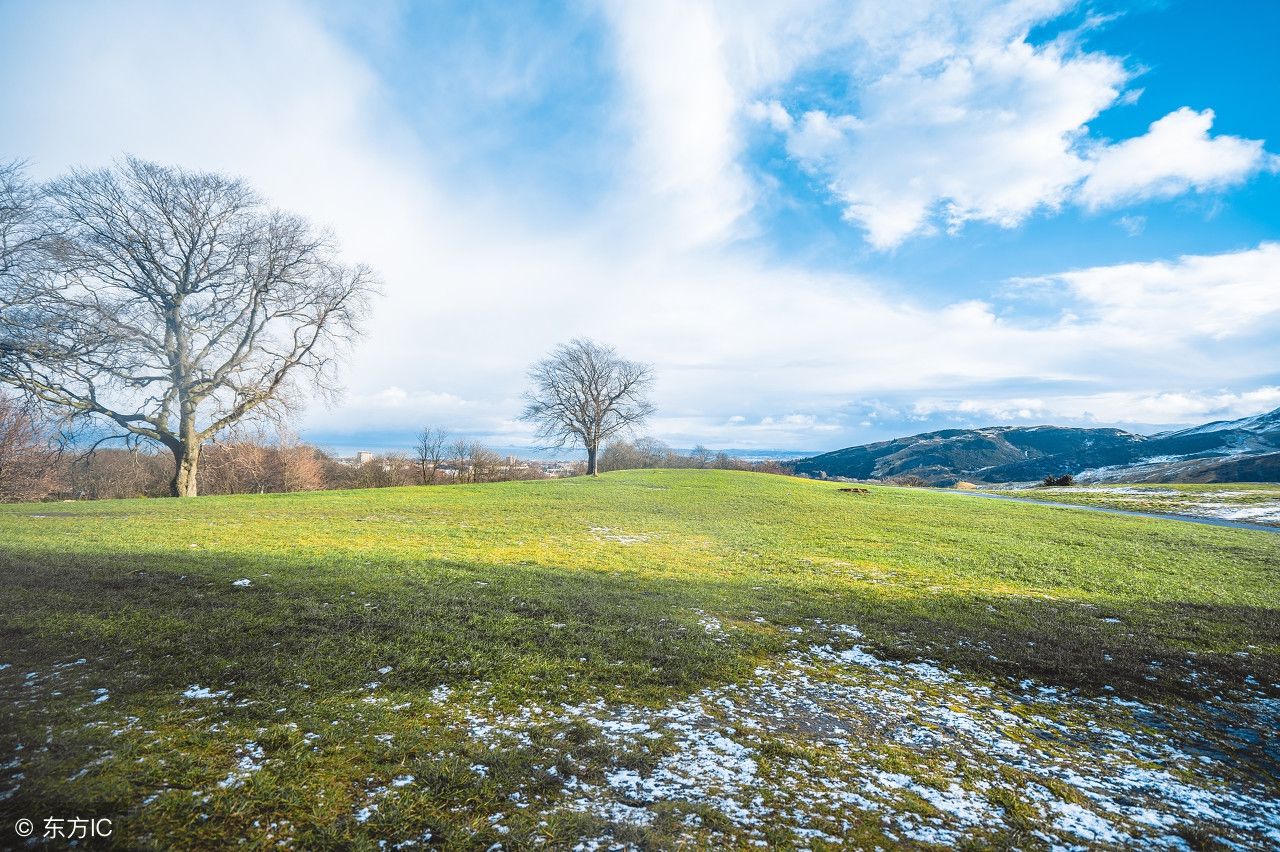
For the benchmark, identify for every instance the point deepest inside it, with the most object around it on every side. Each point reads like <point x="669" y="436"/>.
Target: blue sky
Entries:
<point x="824" y="223"/>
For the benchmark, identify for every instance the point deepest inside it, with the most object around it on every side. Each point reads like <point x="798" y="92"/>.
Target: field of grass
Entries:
<point x="1252" y="502"/>
<point x="656" y="658"/>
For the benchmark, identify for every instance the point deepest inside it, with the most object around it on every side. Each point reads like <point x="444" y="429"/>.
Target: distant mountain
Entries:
<point x="1245" y="450"/>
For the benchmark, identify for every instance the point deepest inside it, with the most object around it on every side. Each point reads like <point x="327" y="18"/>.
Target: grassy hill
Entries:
<point x="651" y="657"/>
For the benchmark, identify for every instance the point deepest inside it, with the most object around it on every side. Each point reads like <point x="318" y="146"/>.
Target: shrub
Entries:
<point x="908" y="480"/>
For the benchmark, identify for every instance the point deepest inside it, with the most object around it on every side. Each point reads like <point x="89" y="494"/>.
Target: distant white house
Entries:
<point x="364" y="457"/>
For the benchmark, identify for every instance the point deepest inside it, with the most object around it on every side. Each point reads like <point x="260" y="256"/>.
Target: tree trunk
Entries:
<point x="186" y="459"/>
<point x="591" y="461"/>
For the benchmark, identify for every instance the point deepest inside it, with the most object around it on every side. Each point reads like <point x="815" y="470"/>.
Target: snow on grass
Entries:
<point x="1254" y="506"/>
<point x="251" y="760"/>
<point x="925" y="753"/>
<point x="1264" y="514"/>
<point x="607" y="534"/>
<point x="198" y="692"/>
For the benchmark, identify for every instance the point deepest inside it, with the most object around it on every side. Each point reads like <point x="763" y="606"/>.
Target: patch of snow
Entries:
<point x="606" y="534"/>
<point x="251" y="760"/>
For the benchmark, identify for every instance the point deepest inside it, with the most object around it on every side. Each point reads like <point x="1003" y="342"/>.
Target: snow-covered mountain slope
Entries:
<point x="1237" y="450"/>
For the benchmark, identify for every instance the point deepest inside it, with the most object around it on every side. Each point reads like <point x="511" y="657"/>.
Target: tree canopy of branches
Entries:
<point x="159" y="304"/>
<point x="585" y="393"/>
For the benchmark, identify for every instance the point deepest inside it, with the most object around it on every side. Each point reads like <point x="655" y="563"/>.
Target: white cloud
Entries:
<point x="1152" y="407"/>
<point x="1174" y="156"/>
<point x="683" y="111"/>
<point x="689" y="73"/>
<point x="771" y="113"/>
<point x="1132" y="225"/>
<point x="960" y="119"/>
<point x="987" y="133"/>
<point x="1214" y="296"/>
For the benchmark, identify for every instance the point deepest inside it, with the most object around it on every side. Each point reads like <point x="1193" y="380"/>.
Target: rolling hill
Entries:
<point x="1245" y="450"/>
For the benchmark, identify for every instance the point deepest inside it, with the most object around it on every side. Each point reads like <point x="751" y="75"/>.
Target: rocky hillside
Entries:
<point x="1246" y="450"/>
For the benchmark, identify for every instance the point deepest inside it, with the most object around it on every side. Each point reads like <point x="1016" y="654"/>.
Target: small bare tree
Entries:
<point x="386" y="470"/>
<point x="431" y="450"/>
<point x="166" y="305"/>
<point x="462" y="452"/>
<point x="700" y="456"/>
<point x="486" y="465"/>
<point x="298" y="466"/>
<point x="28" y="456"/>
<point x="585" y="393"/>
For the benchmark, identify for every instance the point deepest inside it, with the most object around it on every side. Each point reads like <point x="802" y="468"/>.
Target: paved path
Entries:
<point x="1194" y="519"/>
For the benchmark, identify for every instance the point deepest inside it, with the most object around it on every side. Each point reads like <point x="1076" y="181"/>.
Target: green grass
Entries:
<point x="541" y="593"/>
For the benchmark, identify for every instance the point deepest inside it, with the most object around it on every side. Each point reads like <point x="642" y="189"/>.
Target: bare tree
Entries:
<point x="28" y="456"/>
<point x="165" y="305"/>
<point x="298" y="465"/>
<point x="461" y="453"/>
<point x="487" y="465"/>
<point x="113" y="473"/>
<point x="700" y="456"/>
<point x="643" y="452"/>
<point x="584" y="392"/>
<point x="431" y="450"/>
<point x="386" y="470"/>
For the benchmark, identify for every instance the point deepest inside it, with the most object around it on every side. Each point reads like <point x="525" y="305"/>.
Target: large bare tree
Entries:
<point x="166" y="305"/>
<point x="585" y="393"/>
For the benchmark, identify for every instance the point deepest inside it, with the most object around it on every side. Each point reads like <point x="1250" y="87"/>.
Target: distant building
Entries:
<point x="363" y="457"/>
<point x="556" y="469"/>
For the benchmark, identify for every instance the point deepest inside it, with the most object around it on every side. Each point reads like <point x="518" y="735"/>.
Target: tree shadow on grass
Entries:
<point x="308" y="637"/>
<point x="178" y="619"/>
